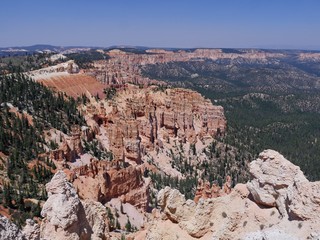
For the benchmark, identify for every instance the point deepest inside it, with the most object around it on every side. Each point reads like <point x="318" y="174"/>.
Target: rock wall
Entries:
<point x="100" y="181"/>
<point x="141" y="119"/>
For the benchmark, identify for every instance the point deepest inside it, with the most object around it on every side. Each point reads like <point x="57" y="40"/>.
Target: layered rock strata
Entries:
<point x="141" y="119"/>
<point x="98" y="181"/>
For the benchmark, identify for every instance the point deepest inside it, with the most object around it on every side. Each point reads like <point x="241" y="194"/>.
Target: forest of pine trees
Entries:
<point x="24" y="162"/>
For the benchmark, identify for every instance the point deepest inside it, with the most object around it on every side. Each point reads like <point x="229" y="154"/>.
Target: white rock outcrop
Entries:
<point x="9" y="231"/>
<point x="97" y="218"/>
<point x="278" y="203"/>
<point x="64" y="216"/>
<point x="67" y="217"/>
<point x="279" y="183"/>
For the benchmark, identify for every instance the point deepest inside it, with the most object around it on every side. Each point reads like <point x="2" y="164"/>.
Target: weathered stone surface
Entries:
<point x="31" y="230"/>
<point x="9" y="231"/>
<point x="304" y="201"/>
<point x="64" y="216"/>
<point x="278" y="182"/>
<point x="236" y="216"/>
<point x="272" y="174"/>
<point x="140" y="119"/>
<point x="97" y="218"/>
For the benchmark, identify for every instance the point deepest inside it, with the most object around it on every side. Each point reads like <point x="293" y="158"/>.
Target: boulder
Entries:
<point x="64" y="216"/>
<point x="276" y="182"/>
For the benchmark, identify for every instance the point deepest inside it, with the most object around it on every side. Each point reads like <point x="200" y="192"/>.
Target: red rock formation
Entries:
<point x="134" y="121"/>
<point x="102" y="181"/>
<point x="205" y="191"/>
<point x="71" y="147"/>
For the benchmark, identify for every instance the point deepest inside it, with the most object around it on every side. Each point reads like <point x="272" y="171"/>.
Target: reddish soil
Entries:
<point x="75" y="85"/>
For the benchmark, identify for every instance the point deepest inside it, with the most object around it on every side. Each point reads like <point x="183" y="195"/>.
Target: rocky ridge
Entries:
<point x="238" y="215"/>
<point x="124" y="67"/>
<point x="292" y="203"/>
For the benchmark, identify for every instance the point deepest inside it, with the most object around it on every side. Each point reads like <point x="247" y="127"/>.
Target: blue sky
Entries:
<point x="162" y="23"/>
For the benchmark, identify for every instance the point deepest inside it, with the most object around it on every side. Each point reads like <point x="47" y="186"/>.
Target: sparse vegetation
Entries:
<point x="26" y="62"/>
<point x="110" y="93"/>
<point x="96" y="150"/>
<point x="128" y="226"/>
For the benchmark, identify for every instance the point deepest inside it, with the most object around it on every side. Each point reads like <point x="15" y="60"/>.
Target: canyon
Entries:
<point x="115" y="173"/>
<point x="135" y="124"/>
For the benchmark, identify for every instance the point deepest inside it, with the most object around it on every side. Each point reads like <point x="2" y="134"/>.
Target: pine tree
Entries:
<point x="128" y="226"/>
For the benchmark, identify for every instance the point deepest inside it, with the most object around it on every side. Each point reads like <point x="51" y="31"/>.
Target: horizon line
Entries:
<point x="310" y="48"/>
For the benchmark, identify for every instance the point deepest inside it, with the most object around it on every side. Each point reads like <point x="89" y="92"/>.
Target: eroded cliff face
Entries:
<point x="135" y="123"/>
<point x="140" y="120"/>
<point x="99" y="181"/>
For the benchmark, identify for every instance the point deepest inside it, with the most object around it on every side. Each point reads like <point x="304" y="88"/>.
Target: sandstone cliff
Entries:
<point x="140" y="120"/>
